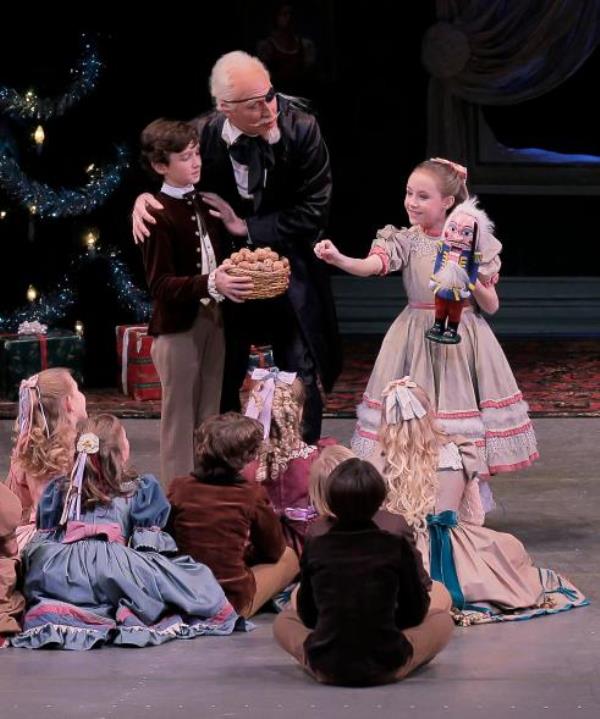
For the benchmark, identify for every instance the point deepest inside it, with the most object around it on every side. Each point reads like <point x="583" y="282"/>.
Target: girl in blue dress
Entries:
<point x="100" y="569"/>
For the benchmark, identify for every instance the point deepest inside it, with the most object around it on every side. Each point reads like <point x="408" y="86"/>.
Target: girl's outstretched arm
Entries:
<point x="362" y="267"/>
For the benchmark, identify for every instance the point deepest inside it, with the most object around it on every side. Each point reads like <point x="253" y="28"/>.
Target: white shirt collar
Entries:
<point x="176" y="192"/>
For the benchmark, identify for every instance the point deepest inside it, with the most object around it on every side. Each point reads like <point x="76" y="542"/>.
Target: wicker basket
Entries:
<point x="266" y="283"/>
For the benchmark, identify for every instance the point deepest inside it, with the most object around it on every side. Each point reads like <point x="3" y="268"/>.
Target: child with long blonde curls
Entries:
<point x="50" y="405"/>
<point x="101" y="569"/>
<point x="284" y="460"/>
<point x="471" y="384"/>
<point x="432" y="481"/>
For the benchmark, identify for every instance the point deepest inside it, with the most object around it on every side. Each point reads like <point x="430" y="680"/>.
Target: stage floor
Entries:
<point x="547" y="667"/>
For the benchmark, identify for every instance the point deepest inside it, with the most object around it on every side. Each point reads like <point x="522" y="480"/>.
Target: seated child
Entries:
<point x="432" y="481"/>
<point x="50" y="405"/>
<point x="227" y="522"/>
<point x="101" y="570"/>
<point x="362" y="615"/>
<point x="320" y="473"/>
<point x="11" y="601"/>
<point x="284" y="460"/>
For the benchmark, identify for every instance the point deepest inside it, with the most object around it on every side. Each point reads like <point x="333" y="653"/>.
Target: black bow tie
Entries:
<point x="258" y="156"/>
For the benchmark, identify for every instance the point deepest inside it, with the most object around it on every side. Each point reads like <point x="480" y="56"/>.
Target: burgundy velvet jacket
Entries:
<point x="173" y="261"/>
<point x="227" y="523"/>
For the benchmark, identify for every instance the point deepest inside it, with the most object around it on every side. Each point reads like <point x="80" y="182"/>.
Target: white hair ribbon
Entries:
<point x="260" y="404"/>
<point x="87" y="443"/>
<point x="400" y="402"/>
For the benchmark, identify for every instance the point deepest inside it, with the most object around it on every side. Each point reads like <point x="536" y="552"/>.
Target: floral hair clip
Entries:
<point x="88" y="443"/>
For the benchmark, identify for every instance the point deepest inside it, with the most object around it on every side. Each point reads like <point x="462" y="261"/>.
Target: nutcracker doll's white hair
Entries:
<point x="485" y="227"/>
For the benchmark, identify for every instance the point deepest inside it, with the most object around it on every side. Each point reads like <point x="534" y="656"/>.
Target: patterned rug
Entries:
<point x="558" y="377"/>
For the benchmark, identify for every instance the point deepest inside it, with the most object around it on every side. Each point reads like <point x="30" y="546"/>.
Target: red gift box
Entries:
<point x="260" y="356"/>
<point x="138" y="376"/>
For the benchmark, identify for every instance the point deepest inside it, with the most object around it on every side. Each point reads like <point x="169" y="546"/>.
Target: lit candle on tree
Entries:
<point x="90" y="239"/>
<point x="32" y="293"/>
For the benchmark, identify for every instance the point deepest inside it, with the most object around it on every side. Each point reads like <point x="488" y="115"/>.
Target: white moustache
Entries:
<point x="262" y="123"/>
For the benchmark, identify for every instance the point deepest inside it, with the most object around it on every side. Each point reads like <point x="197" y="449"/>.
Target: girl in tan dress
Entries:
<point x="433" y="481"/>
<point x="472" y="387"/>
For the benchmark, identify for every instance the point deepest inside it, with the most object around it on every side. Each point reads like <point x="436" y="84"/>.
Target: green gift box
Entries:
<point x="25" y="354"/>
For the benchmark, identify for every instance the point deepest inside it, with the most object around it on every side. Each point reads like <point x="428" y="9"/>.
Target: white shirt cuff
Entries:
<point x="212" y="288"/>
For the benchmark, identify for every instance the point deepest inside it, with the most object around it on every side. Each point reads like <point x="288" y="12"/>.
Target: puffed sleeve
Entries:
<point x="471" y="508"/>
<point x="392" y="246"/>
<point x="50" y="507"/>
<point x="490" y="262"/>
<point x="149" y="511"/>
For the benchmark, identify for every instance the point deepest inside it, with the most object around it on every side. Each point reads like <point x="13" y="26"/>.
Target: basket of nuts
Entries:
<point x="270" y="273"/>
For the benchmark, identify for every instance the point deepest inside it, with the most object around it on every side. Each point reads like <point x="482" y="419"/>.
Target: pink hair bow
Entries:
<point x="25" y="417"/>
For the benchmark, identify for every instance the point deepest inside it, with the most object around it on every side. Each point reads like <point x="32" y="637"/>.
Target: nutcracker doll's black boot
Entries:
<point x="435" y="332"/>
<point x="451" y="336"/>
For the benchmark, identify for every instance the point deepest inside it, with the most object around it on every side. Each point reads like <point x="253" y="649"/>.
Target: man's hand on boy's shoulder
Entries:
<point x="141" y="217"/>
<point x="224" y="212"/>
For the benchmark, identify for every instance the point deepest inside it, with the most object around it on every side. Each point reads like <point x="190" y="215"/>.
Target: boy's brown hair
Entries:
<point x="163" y="137"/>
<point x="355" y="491"/>
<point x="226" y="443"/>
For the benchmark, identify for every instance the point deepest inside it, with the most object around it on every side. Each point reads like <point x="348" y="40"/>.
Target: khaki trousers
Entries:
<point x="271" y="579"/>
<point x="427" y="639"/>
<point x="190" y="367"/>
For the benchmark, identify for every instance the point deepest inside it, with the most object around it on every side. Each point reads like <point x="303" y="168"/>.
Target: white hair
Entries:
<point x="485" y="226"/>
<point x="225" y="71"/>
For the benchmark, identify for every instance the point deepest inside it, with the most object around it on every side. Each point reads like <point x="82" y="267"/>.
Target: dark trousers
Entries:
<point x="271" y="322"/>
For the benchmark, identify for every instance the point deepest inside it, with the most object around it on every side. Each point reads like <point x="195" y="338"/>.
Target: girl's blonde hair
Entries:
<point x="320" y="470"/>
<point x="49" y="445"/>
<point x="285" y="436"/>
<point x="451" y="181"/>
<point x="106" y="475"/>
<point x="411" y="451"/>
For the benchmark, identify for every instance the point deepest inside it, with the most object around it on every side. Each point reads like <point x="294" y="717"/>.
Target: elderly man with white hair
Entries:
<point x="266" y="174"/>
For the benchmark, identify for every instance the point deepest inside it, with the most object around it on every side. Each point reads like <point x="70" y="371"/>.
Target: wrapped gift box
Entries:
<point x="22" y="355"/>
<point x="138" y="377"/>
<point x="260" y="356"/>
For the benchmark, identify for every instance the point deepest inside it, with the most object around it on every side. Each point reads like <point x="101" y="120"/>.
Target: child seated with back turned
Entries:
<point x="362" y="616"/>
<point x="228" y="522"/>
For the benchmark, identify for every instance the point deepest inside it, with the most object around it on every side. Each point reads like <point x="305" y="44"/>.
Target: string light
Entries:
<point x="52" y="307"/>
<point x="29" y="106"/>
<point x="62" y="202"/>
